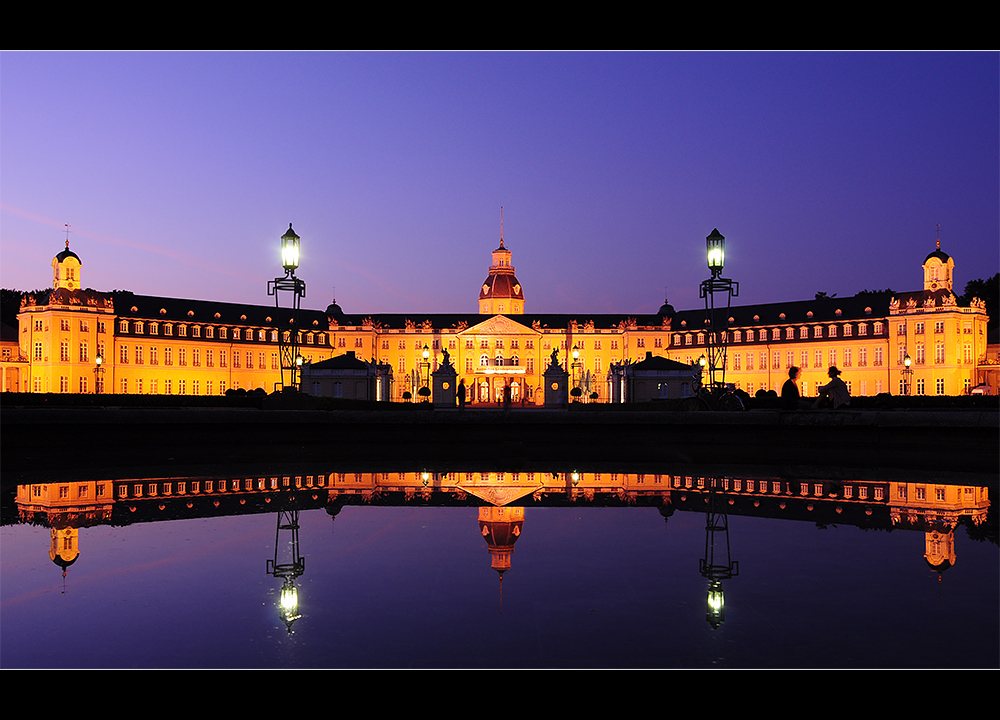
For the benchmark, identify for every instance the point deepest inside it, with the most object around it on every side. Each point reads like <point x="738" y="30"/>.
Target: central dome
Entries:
<point x="501" y="293"/>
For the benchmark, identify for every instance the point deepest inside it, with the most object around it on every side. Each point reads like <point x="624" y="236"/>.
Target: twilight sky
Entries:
<point x="178" y="172"/>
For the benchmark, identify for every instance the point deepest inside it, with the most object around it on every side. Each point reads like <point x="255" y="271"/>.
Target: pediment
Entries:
<point x="499" y="325"/>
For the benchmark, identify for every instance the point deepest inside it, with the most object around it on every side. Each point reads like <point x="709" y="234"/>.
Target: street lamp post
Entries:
<point x="98" y="374"/>
<point x="907" y="374"/>
<point x="575" y="367"/>
<point x="425" y="373"/>
<point x="288" y="349"/>
<point x="716" y="329"/>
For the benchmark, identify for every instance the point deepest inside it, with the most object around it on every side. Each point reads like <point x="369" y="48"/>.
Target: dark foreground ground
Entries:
<point x="124" y="442"/>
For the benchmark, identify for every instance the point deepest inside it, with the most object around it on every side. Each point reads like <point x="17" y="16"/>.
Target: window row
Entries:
<point x="141" y="327"/>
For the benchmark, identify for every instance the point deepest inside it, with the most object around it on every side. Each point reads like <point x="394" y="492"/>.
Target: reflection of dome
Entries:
<point x="500" y="527"/>
<point x="65" y="547"/>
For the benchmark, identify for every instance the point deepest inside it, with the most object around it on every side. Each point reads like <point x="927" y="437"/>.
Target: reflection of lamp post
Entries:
<point x="287" y="565"/>
<point x="98" y="374"/>
<point x="288" y="349"/>
<point x="716" y="569"/>
<point x="716" y="336"/>
<point x="907" y="374"/>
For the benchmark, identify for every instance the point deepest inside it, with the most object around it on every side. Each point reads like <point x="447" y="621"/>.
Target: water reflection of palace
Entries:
<point x="935" y="508"/>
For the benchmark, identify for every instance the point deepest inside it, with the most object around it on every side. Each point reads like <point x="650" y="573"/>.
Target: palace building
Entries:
<point x="158" y="345"/>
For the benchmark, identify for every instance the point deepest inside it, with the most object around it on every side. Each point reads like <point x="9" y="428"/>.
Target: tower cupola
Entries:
<point x="939" y="270"/>
<point x="66" y="270"/>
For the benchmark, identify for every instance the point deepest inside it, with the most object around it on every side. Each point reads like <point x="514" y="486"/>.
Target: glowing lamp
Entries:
<point x="427" y="353"/>
<point x="907" y="361"/>
<point x="716" y="245"/>
<point x="98" y="360"/>
<point x="715" y="610"/>
<point x="290" y="250"/>
<point x="702" y="361"/>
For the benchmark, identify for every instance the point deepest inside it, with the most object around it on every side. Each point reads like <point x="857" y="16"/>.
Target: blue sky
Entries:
<point x="178" y="172"/>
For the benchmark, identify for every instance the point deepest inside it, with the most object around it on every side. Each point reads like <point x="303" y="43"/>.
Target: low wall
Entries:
<point x="109" y="442"/>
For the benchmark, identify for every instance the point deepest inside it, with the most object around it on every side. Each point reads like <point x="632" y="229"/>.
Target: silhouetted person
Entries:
<point x="461" y="394"/>
<point x="835" y="393"/>
<point x="790" y="398"/>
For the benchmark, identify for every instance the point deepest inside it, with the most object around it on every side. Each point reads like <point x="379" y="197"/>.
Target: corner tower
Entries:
<point x="939" y="270"/>
<point x="501" y="293"/>
<point x="66" y="270"/>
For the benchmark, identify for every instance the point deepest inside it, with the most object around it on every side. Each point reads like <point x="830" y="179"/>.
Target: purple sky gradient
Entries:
<point x="178" y="172"/>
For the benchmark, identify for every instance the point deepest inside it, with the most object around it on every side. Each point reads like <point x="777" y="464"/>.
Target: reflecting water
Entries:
<point x="489" y="570"/>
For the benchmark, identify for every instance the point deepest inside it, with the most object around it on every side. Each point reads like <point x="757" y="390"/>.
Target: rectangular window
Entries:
<point x="939" y="386"/>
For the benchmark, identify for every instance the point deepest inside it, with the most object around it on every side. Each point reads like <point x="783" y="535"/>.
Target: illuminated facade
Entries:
<point x="867" y="336"/>
<point x="156" y="345"/>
